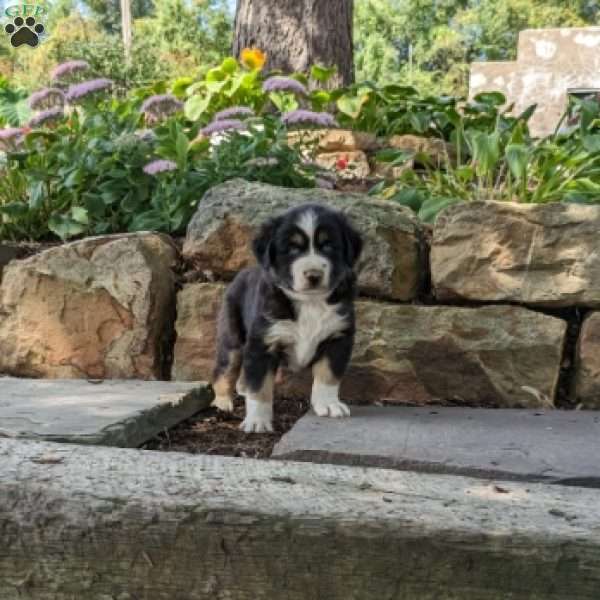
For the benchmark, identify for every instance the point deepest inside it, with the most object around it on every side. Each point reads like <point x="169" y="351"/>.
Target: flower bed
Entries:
<point x="93" y="161"/>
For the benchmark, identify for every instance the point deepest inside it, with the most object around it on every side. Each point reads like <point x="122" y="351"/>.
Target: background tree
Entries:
<point x="176" y="37"/>
<point x="296" y="34"/>
<point x="108" y="12"/>
<point x="443" y="37"/>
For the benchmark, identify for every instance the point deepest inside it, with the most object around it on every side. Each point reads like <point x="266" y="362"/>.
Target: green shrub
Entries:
<point x="94" y="170"/>
<point x="492" y="157"/>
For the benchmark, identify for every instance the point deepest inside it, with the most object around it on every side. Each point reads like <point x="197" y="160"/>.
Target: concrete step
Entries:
<point x="529" y="445"/>
<point x="89" y="523"/>
<point x="106" y="413"/>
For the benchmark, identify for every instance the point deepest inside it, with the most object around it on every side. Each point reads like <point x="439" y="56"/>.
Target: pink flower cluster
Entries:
<point x="156" y="108"/>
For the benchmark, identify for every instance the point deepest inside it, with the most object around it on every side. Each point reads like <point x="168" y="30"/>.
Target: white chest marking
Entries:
<point x="316" y="321"/>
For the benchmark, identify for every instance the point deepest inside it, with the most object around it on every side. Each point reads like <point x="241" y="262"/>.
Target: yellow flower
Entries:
<point x="253" y="58"/>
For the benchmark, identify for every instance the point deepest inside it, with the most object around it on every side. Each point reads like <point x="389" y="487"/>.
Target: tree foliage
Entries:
<point x="170" y="38"/>
<point x="108" y="12"/>
<point x="430" y="44"/>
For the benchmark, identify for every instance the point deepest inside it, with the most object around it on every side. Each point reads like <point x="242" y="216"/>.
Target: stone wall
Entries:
<point x="352" y="155"/>
<point x="550" y="63"/>
<point x="487" y="313"/>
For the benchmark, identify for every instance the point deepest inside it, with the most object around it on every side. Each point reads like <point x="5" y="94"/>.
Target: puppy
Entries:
<point x="295" y="309"/>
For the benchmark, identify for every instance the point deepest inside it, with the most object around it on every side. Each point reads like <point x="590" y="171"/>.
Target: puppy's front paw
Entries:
<point x="224" y="403"/>
<point x="259" y="416"/>
<point x="256" y="424"/>
<point x="328" y="407"/>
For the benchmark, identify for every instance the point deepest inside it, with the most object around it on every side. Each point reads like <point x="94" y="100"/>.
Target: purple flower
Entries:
<point x="81" y="90"/>
<point x="46" y="98"/>
<point x="10" y="138"/>
<point x="234" y="111"/>
<point x="68" y="68"/>
<point x="159" y="166"/>
<point x="308" y="117"/>
<point x="156" y="108"/>
<point x="47" y="116"/>
<point x="284" y="84"/>
<point x="224" y="125"/>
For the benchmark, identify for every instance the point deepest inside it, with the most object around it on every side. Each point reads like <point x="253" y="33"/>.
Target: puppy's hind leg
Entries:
<point x="225" y="376"/>
<point x="258" y="380"/>
<point x="229" y="356"/>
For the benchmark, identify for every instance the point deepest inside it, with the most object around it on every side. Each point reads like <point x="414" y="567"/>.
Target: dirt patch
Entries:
<point x="215" y="432"/>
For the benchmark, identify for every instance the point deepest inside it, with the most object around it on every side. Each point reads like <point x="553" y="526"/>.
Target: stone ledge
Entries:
<point x="559" y="447"/>
<point x="82" y="522"/>
<point x="106" y="413"/>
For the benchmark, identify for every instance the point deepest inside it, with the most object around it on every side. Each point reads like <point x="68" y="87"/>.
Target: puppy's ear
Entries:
<point x="263" y="244"/>
<point x="353" y="244"/>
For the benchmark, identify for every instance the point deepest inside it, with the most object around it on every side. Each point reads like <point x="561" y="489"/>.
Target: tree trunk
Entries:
<point x="296" y="34"/>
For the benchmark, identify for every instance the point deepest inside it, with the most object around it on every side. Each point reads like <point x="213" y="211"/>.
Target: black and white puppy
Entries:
<point x="295" y="309"/>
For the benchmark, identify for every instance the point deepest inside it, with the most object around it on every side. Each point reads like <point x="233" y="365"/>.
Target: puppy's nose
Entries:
<point x="314" y="277"/>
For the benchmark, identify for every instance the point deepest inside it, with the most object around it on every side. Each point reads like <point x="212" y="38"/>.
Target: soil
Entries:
<point x="215" y="432"/>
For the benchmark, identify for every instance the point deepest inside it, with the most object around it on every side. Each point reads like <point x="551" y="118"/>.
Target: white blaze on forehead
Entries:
<point x="307" y="222"/>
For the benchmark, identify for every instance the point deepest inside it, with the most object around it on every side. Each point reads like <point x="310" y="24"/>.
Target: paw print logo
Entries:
<point x="24" y="31"/>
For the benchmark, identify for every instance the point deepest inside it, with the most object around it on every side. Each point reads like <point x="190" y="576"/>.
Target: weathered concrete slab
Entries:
<point x="106" y="413"/>
<point x="550" y="64"/>
<point x="83" y="522"/>
<point x="554" y="446"/>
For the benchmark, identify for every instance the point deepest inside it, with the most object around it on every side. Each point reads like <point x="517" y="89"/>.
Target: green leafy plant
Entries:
<point x="492" y="157"/>
<point x="13" y="104"/>
<point x="98" y="172"/>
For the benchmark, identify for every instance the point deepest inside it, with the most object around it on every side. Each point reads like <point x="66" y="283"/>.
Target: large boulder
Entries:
<point x="587" y="364"/>
<point x="503" y="356"/>
<point x="491" y="356"/>
<point x="219" y="235"/>
<point x="545" y="255"/>
<point x="97" y="308"/>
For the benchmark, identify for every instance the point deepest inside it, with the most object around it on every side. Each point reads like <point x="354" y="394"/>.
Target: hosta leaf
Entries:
<point x="433" y="206"/>
<point x="491" y="98"/>
<point x="591" y="142"/>
<point x="410" y="197"/>
<point x="196" y="106"/>
<point x="181" y="85"/>
<point x="80" y="215"/>
<point x="216" y="74"/>
<point x="517" y="157"/>
<point x="65" y="227"/>
<point x="352" y="105"/>
<point x="399" y="91"/>
<point x="322" y="74"/>
<point x="229" y="65"/>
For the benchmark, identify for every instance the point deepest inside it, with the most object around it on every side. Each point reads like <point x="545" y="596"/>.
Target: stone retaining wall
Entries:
<point x="488" y="329"/>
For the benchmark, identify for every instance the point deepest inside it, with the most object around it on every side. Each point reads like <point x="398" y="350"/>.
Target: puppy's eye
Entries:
<point x="327" y="247"/>
<point x="294" y="250"/>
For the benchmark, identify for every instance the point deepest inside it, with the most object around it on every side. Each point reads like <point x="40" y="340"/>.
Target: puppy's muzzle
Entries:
<point x="314" y="277"/>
